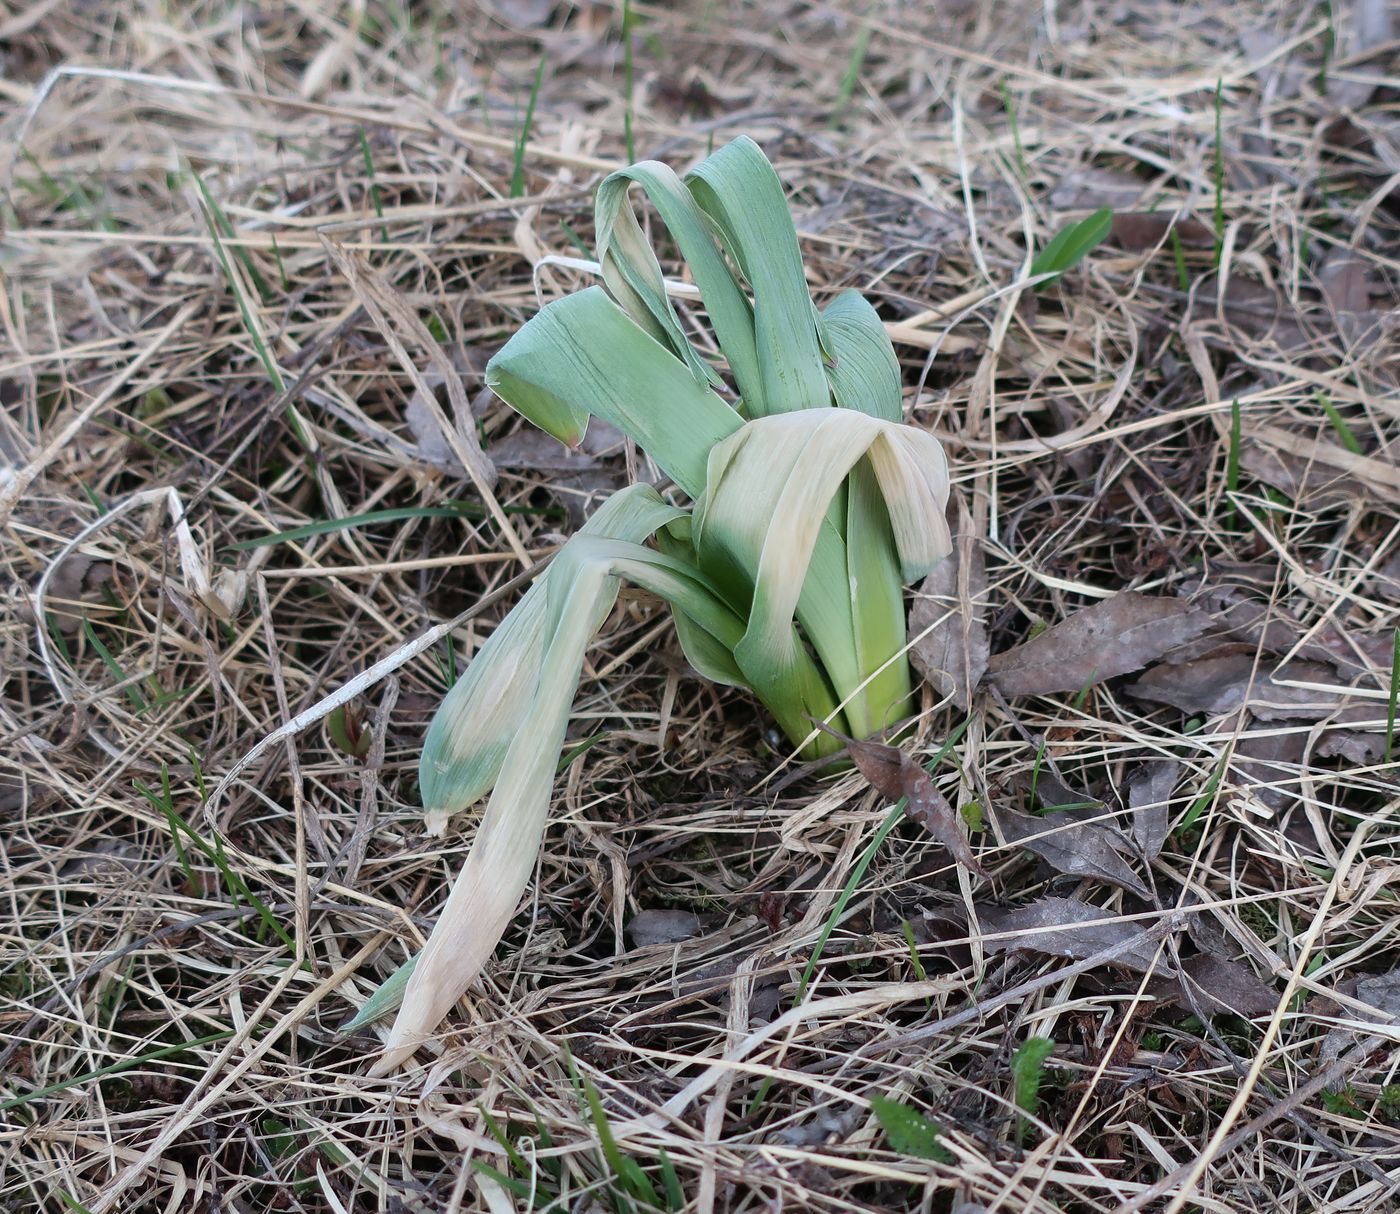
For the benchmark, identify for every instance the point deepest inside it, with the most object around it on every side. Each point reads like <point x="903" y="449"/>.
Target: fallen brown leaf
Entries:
<point x="950" y="646"/>
<point x="1066" y="927"/>
<point x="1241" y="615"/>
<point x="1079" y="842"/>
<point x="893" y="774"/>
<point x="1217" y="985"/>
<point x="1270" y="766"/>
<point x="1137" y="230"/>
<point x="1114" y="637"/>
<point x="1149" y="790"/>
<point x="1226" y="681"/>
<point x="1348" y="280"/>
<point x="1382" y="993"/>
<point x="1253" y="308"/>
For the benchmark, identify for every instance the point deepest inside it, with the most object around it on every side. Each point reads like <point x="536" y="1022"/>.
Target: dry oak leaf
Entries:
<point x="1066" y="927"/>
<point x="1117" y="636"/>
<point x="893" y="774"/>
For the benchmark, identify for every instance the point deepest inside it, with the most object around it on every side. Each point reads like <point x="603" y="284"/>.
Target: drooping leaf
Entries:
<point x="740" y="191"/>
<point x="864" y="372"/>
<point x="634" y="275"/>
<point x="487" y="706"/>
<point x="583" y="356"/>
<point x="571" y="603"/>
<point x="763" y="522"/>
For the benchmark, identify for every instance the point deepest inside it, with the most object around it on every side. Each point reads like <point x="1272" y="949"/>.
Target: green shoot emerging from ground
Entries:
<point x="813" y="505"/>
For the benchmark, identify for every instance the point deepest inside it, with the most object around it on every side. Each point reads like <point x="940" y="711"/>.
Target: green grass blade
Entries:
<point x="115" y="1068"/>
<point x="628" y="140"/>
<point x="675" y="1195"/>
<point x="245" y="311"/>
<point x="625" y="1169"/>
<point x="1339" y="426"/>
<point x="235" y="884"/>
<point x="522" y="141"/>
<point x="851" y="76"/>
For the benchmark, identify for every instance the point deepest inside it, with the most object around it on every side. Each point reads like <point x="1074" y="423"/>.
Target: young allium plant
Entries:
<point x="813" y="505"/>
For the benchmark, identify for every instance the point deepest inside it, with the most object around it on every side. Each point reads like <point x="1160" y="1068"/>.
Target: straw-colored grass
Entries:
<point x="184" y="369"/>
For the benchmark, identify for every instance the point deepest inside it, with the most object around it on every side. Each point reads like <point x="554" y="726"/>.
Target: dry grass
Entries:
<point x="171" y="319"/>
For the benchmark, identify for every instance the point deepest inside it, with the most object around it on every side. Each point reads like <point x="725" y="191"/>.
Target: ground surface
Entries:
<point x="1203" y="411"/>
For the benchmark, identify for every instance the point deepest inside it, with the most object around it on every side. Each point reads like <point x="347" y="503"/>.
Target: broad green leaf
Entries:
<point x="584" y="355"/>
<point x="864" y="372"/>
<point x="569" y="605"/>
<point x="498" y="867"/>
<point x="877" y="600"/>
<point x="634" y="276"/>
<point x="1071" y="243"/>
<point x="738" y="189"/>
<point x="865" y="376"/>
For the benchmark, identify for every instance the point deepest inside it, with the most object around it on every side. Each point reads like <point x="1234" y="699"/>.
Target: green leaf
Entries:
<point x="383" y="1001"/>
<point x="634" y="277"/>
<point x="521" y="707"/>
<point x="738" y="189"/>
<point x="908" y="1131"/>
<point x="583" y="355"/>
<point x="344" y="730"/>
<point x="765" y="506"/>
<point x="1072" y="243"/>
<point x="876" y="591"/>
<point x="864" y="372"/>
<point x="485" y="708"/>
<point x="624" y="1168"/>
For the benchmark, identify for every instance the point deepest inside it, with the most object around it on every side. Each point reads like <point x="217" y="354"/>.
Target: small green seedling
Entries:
<point x="1027" y="1071"/>
<point x="1071" y="244"/>
<point x="908" y="1131"/>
